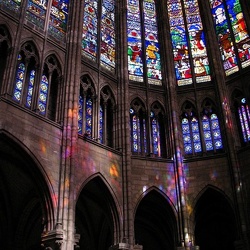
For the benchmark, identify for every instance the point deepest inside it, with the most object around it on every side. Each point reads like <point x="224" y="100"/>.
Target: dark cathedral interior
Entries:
<point x="125" y="124"/>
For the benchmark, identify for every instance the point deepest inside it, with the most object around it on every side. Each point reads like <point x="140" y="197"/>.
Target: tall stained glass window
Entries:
<point x="143" y="45"/>
<point x="188" y="42"/>
<point x="155" y="135"/>
<point x="211" y="132"/>
<point x="85" y="108"/>
<point x="190" y="131"/>
<point x="232" y="34"/>
<point x="20" y="75"/>
<point x="36" y="12"/>
<point x="99" y="13"/>
<point x="244" y="117"/>
<point x="138" y="128"/>
<point x="43" y="95"/>
<point x="58" y="18"/>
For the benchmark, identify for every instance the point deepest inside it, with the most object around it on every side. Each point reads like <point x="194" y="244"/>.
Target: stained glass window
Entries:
<point x="58" y="18"/>
<point x="101" y="124"/>
<point x="108" y="34"/>
<point x="90" y="39"/>
<point x="232" y="35"/>
<point x="148" y="47"/>
<point x="43" y="95"/>
<point x="12" y="5"/>
<point x="30" y="88"/>
<point x="244" y="115"/>
<point x="89" y="108"/>
<point x="155" y="135"/>
<point x="85" y="114"/>
<point x="191" y="135"/>
<point x="188" y="42"/>
<point x="89" y="32"/>
<point x="36" y="12"/>
<point x="80" y="115"/>
<point x="138" y="132"/>
<point x="19" y="80"/>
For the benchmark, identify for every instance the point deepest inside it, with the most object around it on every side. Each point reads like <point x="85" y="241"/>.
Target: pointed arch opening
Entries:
<point x="96" y="216"/>
<point x="215" y="221"/>
<point x="155" y="223"/>
<point x="26" y="209"/>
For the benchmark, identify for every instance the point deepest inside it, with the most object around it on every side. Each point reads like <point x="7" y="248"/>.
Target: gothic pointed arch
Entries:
<point x="155" y="222"/>
<point x="26" y="75"/>
<point x="138" y="125"/>
<point x="26" y="208"/>
<point x="215" y="221"/>
<point x="158" y="130"/>
<point x="96" y="217"/>
<point x="107" y="116"/>
<point x="50" y="89"/>
<point x="86" y="104"/>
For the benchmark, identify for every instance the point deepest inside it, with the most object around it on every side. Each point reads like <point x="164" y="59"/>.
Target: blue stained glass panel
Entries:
<point x="19" y="81"/>
<point x="108" y="34"/>
<point x="244" y="115"/>
<point x="135" y="65"/>
<point x="89" y="29"/>
<point x="216" y="132"/>
<point x="43" y="94"/>
<point x="30" y="88"/>
<point x="188" y="148"/>
<point x="207" y="133"/>
<point x="101" y="124"/>
<point x="80" y="115"/>
<point x="196" y="135"/>
<point x="89" y="107"/>
<point x="155" y="134"/>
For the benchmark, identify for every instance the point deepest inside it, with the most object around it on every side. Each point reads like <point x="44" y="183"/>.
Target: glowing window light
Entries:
<point x="88" y="117"/>
<point x="101" y="124"/>
<point x="36" y="12"/>
<point x="155" y="134"/>
<point x="182" y="26"/>
<point x="244" y="115"/>
<point x="11" y="5"/>
<point x="80" y="115"/>
<point x="58" y="18"/>
<point x="43" y="95"/>
<point x="30" y="88"/>
<point x="108" y="34"/>
<point x="191" y="135"/>
<point x="136" y="29"/>
<point x="19" y="81"/>
<point x="89" y="29"/>
<point x="232" y="35"/>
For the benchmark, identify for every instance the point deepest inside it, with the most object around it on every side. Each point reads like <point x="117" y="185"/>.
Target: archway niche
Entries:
<point x="215" y="222"/>
<point x="155" y="223"/>
<point x="96" y="216"/>
<point x="25" y="207"/>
